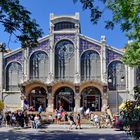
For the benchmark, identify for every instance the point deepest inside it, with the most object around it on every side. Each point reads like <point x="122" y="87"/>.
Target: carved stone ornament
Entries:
<point x="22" y="89"/>
<point x="104" y="89"/>
<point x="49" y="88"/>
<point x="77" y="89"/>
<point x="22" y="97"/>
<point x="77" y="96"/>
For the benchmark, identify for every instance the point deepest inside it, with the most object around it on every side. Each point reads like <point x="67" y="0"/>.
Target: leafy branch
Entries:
<point x="16" y="20"/>
<point x="126" y="13"/>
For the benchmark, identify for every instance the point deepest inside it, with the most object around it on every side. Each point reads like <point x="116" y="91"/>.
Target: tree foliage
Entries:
<point x="126" y="13"/>
<point x="1" y="105"/>
<point x="16" y="21"/>
<point x="130" y="112"/>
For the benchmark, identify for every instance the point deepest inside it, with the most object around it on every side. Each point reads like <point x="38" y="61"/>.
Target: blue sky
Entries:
<point x="41" y="9"/>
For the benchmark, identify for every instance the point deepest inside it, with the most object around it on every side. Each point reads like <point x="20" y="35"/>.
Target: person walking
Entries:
<point x="1" y="119"/>
<point x="71" y="120"/>
<point x="21" y="119"/>
<point x="97" y="121"/>
<point x="66" y="117"/>
<point x="8" y="119"/>
<point x="13" y="119"/>
<point x="40" y="109"/>
<point x="78" y="121"/>
<point x="37" y="121"/>
<point x="32" y="121"/>
<point x="107" y="120"/>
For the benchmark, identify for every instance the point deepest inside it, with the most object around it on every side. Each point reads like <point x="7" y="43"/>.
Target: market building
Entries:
<point x="67" y="68"/>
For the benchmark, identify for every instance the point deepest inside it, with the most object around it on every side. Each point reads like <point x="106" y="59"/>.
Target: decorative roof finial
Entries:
<point x="103" y="39"/>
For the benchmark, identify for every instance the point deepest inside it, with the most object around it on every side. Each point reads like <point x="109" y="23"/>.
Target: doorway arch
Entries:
<point x="91" y="98"/>
<point x="37" y="97"/>
<point x="64" y="97"/>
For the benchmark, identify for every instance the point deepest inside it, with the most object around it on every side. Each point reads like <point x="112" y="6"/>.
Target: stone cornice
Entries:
<point x="90" y="39"/>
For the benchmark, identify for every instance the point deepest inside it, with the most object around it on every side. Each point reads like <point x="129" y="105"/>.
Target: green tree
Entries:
<point x="126" y="13"/>
<point x="16" y="21"/>
<point x="1" y="105"/>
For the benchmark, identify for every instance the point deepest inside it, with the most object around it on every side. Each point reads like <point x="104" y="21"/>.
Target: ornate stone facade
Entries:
<point x="66" y="69"/>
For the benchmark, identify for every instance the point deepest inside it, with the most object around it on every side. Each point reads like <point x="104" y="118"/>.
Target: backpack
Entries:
<point x="78" y="117"/>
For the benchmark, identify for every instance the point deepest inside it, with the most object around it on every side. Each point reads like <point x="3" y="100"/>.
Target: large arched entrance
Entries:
<point x="37" y="97"/>
<point x="91" y="98"/>
<point x="64" y="97"/>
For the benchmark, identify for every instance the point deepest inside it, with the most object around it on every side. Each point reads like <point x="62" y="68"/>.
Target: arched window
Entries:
<point x="64" y="60"/>
<point x="116" y="76"/>
<point x="90" y="66"/>
<point x="37" y="97"/>
<point x="39" y="66"/>
<point x="91" y="98"/>
<point x="13" y="76"/>
<point x="64" y="97"/>
<point x="64" y="25"/>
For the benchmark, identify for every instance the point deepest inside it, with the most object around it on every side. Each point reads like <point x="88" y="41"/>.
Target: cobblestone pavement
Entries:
<point x="61" y="132"/>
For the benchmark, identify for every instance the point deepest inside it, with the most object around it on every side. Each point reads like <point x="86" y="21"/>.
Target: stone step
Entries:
<point x="84" y="120"/>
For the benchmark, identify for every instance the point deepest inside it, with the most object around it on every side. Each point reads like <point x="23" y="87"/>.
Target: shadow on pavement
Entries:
<point x="41" y="134"/>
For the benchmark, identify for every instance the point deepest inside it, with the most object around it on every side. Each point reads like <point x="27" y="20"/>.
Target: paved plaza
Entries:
<point x="61" y="132"/>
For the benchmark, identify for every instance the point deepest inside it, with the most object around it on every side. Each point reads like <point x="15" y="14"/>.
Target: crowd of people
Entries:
<point x="22" y="119"/>
<point x="99" y="120"/>
<point x="103" y="120"/>
<point x="73" y="119"/>
<point x="34" y="120"/>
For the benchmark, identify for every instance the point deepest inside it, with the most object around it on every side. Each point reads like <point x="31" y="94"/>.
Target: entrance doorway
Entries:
<point x="37" y="97"/>
<point x="64" y="97"/>
<point x="91" y="98"/>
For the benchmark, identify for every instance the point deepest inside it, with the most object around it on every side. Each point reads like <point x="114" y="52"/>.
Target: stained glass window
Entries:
<point x="13" y="76"/>
<point x="39" y="65"/>
<point x="64" y="25"/>
<point x="64" y="60"/>
<point x="90" y="65"/>
<point x="116" y="76"/>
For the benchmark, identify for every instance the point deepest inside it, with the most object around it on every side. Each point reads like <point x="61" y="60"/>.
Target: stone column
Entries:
<point x="131" y="79"/>
<point x="51" y="60"/>
<point x="104" y="98"/>
<point x="127" y="84"/>
<point x="77" y="99"/>
<point x="104" y="102"/>
<point x="77" y="58"/>
<point x="26" y="74"/>
<point x="50" y="103"/>
<point x="50" y="98"/>
<point x="2" y="49"/>
<point x="103" y="60"/>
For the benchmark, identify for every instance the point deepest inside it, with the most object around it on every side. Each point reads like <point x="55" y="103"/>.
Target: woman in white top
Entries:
<point x="37" y="121"/>
<point x="97" y="121"/>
